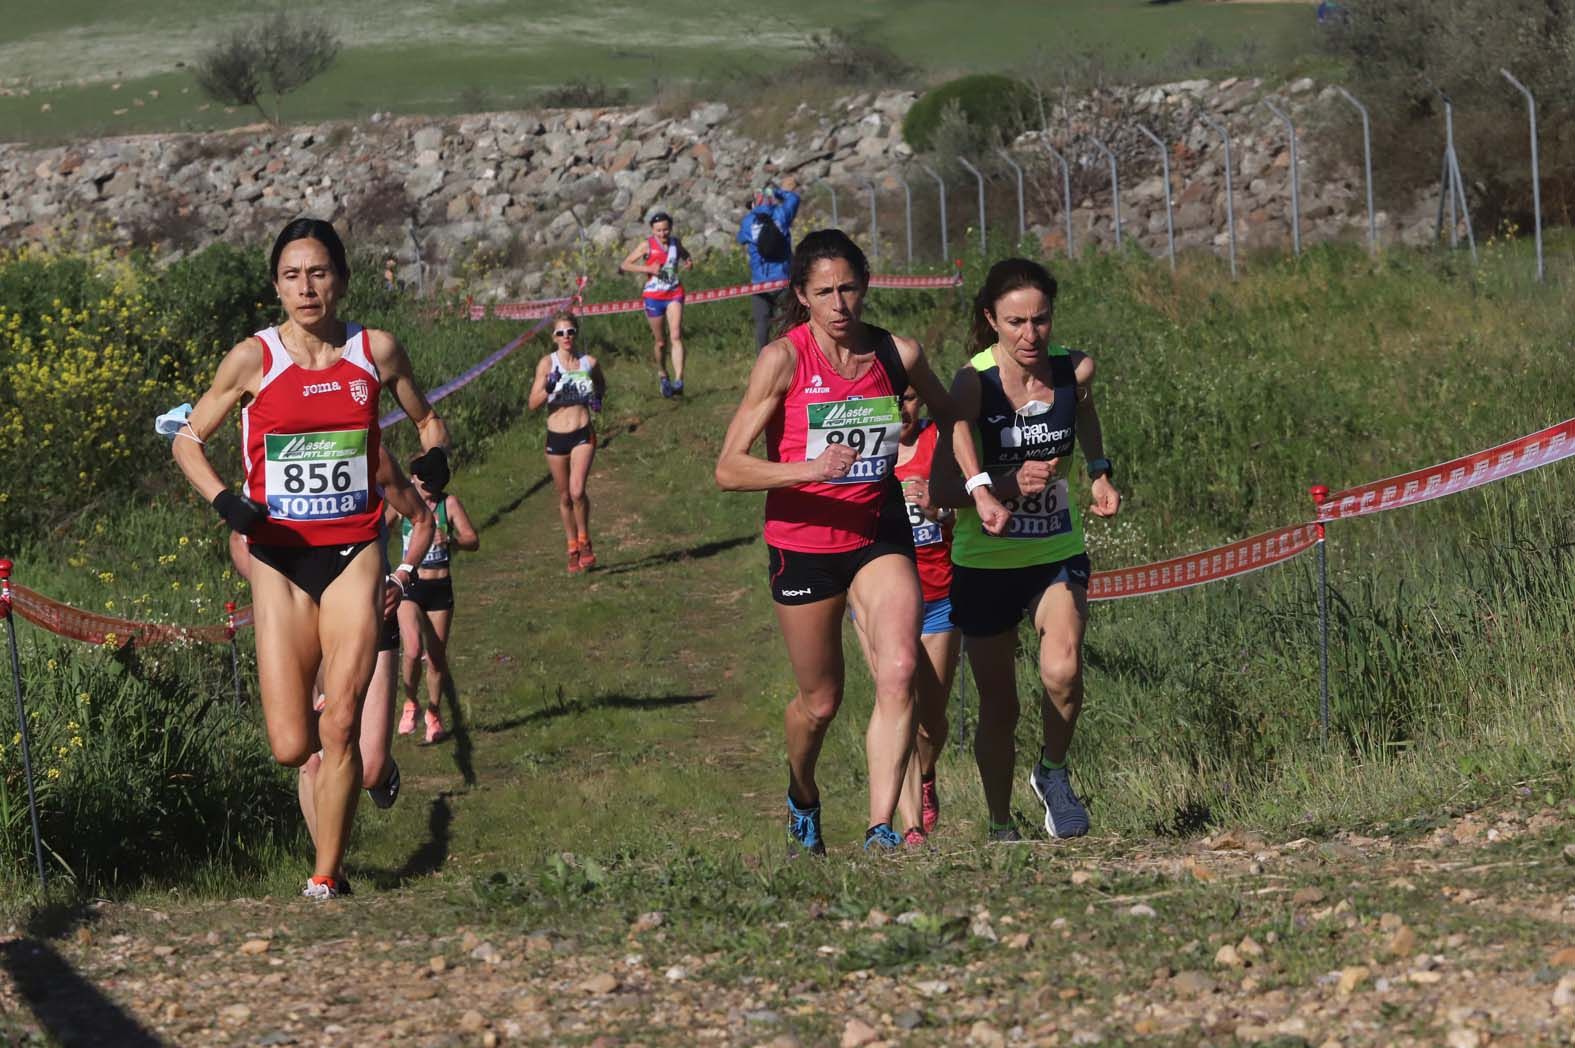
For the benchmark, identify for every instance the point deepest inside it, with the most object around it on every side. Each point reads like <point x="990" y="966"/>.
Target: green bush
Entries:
<point x="997" y="103"/>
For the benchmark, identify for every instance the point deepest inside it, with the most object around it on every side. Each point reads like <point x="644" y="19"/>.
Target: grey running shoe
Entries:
<point x="385" y="795"/>
<point x="326" y="888"/>
<point x="1009" y="835"/>
<point x="1065" y="815"/>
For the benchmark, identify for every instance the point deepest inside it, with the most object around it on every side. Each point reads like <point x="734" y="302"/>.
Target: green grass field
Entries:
<point x="618" y="741"/>
<point x="410" y="57"/>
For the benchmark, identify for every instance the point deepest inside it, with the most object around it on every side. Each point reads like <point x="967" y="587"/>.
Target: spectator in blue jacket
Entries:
<point x="770" y="251"/>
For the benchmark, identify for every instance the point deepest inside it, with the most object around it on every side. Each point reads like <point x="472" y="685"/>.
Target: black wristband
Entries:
<point x="239" y="512"/>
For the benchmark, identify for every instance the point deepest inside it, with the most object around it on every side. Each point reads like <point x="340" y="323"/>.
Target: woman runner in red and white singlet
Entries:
<point x="311" y="513"/>
<point x="939" y="640"/>
<point x="659" y="259"/>
<point x="825" y="395"/>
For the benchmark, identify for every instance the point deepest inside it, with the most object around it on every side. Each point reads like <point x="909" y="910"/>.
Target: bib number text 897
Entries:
<point x="856" y="439"/>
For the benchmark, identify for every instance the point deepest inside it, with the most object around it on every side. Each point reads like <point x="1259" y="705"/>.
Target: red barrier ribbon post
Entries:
<point x="1320" y="495"/>
<point x="235" y="654"/>
<point x="21" y="718"/>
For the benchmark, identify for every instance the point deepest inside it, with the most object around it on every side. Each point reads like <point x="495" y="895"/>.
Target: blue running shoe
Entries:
<point x="804" y="830"/>
<point x="678" y="388"/>
<point x="667" y="387"/>
<point x="1065" y="815"/>
<point x="882" y="838"/>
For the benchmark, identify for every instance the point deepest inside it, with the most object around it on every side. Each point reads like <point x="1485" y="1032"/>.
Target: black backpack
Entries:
<point x="771" y="242"/>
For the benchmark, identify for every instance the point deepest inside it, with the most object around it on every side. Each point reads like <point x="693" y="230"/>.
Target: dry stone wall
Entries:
<point x="518" y="188"/>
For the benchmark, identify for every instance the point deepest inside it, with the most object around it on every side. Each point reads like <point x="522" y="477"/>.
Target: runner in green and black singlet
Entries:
<point x="1031" y="403"/>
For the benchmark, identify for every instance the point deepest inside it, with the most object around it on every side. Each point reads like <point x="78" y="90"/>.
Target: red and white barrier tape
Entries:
<point x="536" y="310"/>
<point x="1532" y="451"/>
<point x="65" y="621"/>
<point x="1195" y="569"/>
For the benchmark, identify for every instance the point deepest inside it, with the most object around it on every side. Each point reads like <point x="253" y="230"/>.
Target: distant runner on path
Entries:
<point x="571" y="386"/>
<point x="825" y="395"/>
<point x="426" y="616"/>
<point x="661" y="257"/>
<point x="312" y="513"/>
<point x="1030" y="403"/>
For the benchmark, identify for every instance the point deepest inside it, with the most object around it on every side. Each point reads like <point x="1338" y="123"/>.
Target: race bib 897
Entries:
<point x="870" y="426"/>
<point x="316" y="476"/>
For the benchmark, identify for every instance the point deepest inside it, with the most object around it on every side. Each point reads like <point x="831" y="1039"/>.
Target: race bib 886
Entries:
<point x="316" y="476"/>
<point x="1040" y="516"/>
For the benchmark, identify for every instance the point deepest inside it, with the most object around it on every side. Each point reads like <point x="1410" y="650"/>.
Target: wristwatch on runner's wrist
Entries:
<point x="1100" y="467"/>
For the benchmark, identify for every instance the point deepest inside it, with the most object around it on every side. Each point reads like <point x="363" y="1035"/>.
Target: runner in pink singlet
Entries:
<point x="826" y="397"/>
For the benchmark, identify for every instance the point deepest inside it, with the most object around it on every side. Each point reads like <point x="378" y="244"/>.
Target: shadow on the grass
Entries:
<point x="427" y="859"/>
<point x="504" y="510"/>
<point x="71" y="1010"/>
<point x="672" y="556"/>
<point x="556" y="709"/>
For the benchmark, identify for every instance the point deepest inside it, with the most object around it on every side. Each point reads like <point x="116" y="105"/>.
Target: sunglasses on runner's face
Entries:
<point x="566" y="332"/>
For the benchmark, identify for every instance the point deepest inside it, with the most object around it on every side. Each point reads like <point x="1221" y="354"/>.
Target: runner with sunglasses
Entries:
<point x="571" y="386"/>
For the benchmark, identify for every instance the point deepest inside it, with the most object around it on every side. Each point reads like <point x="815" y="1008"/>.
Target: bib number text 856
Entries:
<point x="316" y="478"/>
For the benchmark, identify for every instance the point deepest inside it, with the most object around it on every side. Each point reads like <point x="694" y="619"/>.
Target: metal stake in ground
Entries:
<point x="235" y="655"/>
<point x="984" y="244"/>
<point x="1066" y="194"/>
<point x="1367" y="168"/>
<point x="836" y="219"/>
<point x="1230" y="189"/>
<point x="940" y="185"/>
<point x="907" y="213"/>
<point x="1296" y="177"/>
<point x="1320" y="493"/>
<point x="1170" y="223"/>
<point x="21" y="719"/>
<point x="1536" y="176"/>
<point x="874" y="222"/>
<point x="1115" y="187"/>
<point x="1022" y="214"/>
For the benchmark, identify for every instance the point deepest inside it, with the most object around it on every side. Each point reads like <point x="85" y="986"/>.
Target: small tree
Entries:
<point x="274" y="55"/>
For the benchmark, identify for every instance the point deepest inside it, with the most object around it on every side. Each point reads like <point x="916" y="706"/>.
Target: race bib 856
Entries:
<point x="316" y="476"/>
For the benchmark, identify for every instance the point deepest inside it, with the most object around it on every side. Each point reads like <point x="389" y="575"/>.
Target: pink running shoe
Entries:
<point x="929" y="804"/>
<point x="435" y="732"/>
<point x="407" y="719"/>
<point x="915" y="837"/>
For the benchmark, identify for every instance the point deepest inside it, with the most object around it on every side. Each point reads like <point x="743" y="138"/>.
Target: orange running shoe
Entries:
<point x="435" y="732"/>
<point x="407" y="719"/>
<point x="574" y="560"/>
<point x="587" y="557"/>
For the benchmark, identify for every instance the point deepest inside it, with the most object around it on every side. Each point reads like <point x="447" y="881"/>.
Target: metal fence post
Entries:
<point x="1066" y="193"/>
<point x="1296" y="177"/>
<point x="1536" y="175"/>
<point x="940" y="184"/>
<point x="1367" y="168"/>
<point x="1022" y="213"/>
<point x="1115" y="186"/>
<point x="836" y="219"/>
<point x="21" y="719"/>
<point x="1230" y="188"/>
<point x="1452" y="178"/>
<point x="907" y="213"/>
<point x="1319" y="493"/>
<point x="235" y="654"/>
<point x="874" y="222"/>
<point x="984" y="243"/>
<point x="1170" y="224"/>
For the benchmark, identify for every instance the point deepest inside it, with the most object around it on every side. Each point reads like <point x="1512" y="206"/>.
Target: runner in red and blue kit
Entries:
<point x="311" y="513"/>
<point x="663" y="294"/>
<point x="942" y="643"/>
<point x="826" y="397"/>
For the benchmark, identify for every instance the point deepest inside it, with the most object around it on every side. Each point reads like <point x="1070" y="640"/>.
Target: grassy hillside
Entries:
<point x="618" y="742"/>
<point x="85" y="60"/>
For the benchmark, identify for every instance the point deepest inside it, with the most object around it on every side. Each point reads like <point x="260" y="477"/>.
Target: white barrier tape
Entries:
<point x="1447" y="478"/>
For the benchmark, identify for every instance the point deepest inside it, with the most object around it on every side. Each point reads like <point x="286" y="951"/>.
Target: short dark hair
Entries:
<point x="1006" y="276"/>
<point x="661" y="216"/>
<point x="311" y="229"/>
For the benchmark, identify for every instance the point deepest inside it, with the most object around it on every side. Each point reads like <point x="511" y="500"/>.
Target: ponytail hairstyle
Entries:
<point x="822" y="245"/>
<point x="1006" y="276"/>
